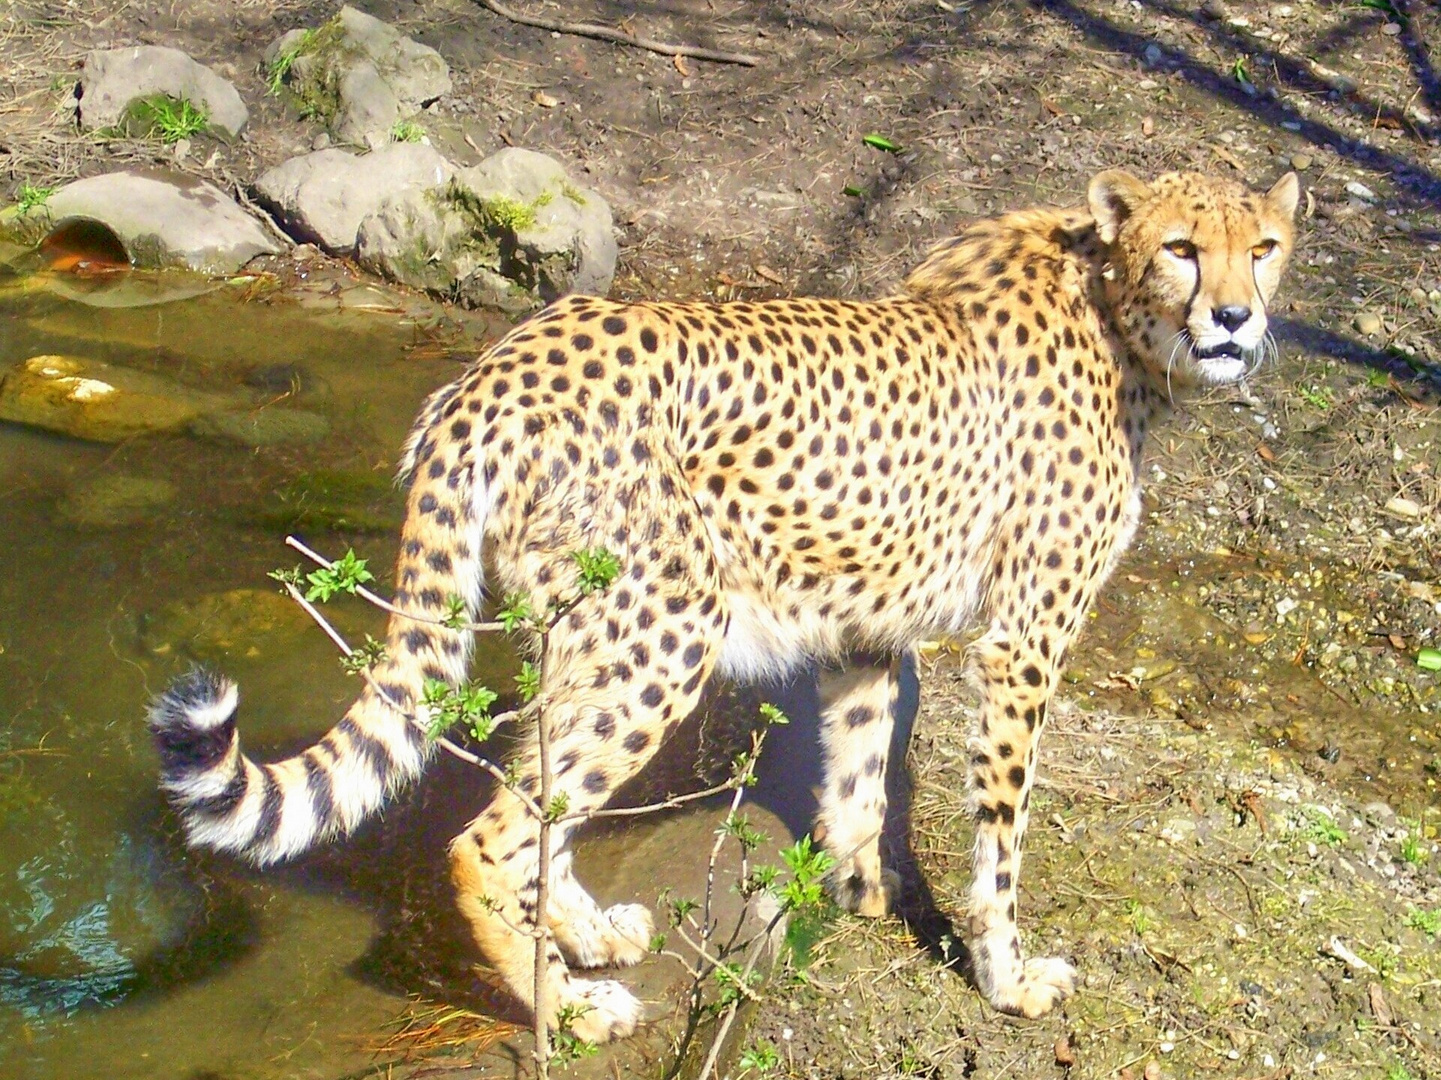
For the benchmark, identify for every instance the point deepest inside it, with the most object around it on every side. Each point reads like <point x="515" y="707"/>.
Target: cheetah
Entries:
<point x="784" y="483"/>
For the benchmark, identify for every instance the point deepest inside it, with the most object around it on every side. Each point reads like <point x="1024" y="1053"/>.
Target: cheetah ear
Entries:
<point x="1113" y="197"/>
<point x="1285" y="194"/>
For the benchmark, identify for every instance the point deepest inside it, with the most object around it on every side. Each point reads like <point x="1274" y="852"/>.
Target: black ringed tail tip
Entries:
<point x="193" y="723"/>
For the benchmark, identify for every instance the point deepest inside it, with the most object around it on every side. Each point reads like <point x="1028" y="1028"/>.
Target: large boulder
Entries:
<point x="112" y="80"/>
<point x="321" y="198"/>
<point x="163" y="219"/>
<point x="512" y="232"/>
<point x="357" y="75"/>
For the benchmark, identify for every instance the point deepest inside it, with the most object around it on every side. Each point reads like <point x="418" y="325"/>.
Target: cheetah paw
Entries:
<point x="631" y="931"/>
<point x="600" y="1010"/>
<point x="869" y="899"/>
<point x="1046" y="981"/>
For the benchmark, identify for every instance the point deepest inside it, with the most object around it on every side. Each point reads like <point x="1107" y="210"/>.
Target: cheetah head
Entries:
<point x="1193" y="261"/>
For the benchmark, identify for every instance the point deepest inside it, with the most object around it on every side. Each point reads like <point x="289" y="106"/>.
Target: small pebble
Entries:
<point x="1301" y="162"/>
<point x="1368" y="323"/>
<point x="1391" y="29"/>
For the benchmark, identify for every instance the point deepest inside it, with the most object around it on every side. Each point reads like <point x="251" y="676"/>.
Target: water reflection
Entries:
<point x="122" y="563"/>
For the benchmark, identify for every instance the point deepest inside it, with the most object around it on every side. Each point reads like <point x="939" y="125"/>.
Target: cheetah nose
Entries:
<point x="1232" y="316"/>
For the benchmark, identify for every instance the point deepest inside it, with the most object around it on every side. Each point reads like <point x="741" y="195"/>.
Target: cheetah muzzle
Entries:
<point x="785" y="483"/>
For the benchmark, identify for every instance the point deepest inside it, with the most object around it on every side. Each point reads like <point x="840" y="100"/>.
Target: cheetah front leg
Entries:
<point x="857" y="718"/>
<point x="1017" y="668"/>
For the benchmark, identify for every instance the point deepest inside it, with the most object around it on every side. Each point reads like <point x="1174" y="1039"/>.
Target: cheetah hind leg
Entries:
<point x="857" y="718"/>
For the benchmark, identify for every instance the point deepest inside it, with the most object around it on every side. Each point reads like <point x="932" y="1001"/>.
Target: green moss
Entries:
<point x="571" y="192"/>
<point x="497" y="211"/>
<point x="313" y="88"/>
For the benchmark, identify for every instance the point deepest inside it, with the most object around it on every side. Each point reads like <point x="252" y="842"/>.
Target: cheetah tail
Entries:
<point x="268" y="812"/>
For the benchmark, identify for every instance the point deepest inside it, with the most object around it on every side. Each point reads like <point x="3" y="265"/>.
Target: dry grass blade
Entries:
<point x="430" y="1028"/>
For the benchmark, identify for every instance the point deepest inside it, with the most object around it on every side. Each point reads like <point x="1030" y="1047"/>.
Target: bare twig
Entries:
<point x="386" y="605"/>
<point x="542" y="890"/>
<point x="620" y="37"/>
<point x="650" y="808"/>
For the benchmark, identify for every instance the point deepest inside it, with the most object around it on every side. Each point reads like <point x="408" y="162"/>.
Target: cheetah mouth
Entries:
<point x="1230" y="350"/>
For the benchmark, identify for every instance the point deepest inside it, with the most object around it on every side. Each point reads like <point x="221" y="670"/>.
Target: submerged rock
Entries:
<point x="113" y="80"/>
<point x="90" y="399"/>
<point x="512" y="232"/>
<point x="359" y="76"/>
<point x="108" y="502"/>
<point x="163" y="219"/>
<point x="252" y="623"/>
<point x="263" y="427"/>
<point x="322" y="198"/>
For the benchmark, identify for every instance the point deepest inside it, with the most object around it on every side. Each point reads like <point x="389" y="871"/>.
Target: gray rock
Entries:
<point x="112" y="79"/>
<point x="359" y="75"/>
<point x="322" y="197"/>
<point x="166" y="219"/>
<point x="512" y="232"/>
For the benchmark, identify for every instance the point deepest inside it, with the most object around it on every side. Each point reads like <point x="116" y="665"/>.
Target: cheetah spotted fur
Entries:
<point x="784" y="483"/>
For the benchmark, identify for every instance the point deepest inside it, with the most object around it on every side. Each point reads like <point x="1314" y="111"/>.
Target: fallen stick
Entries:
<point x="605" y="33"/>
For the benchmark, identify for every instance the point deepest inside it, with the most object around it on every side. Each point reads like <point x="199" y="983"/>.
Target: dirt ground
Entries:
<point x="1236" y="834"/>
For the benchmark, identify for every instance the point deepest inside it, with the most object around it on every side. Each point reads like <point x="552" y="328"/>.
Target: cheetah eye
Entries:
<point x="1263" y="249"/>
<point x="1182" y="249"/>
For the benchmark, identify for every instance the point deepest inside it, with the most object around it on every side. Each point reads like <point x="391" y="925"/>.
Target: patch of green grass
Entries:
<point x="167" y="118"/>
<point x="406" y="131"/>
<point x="1397" y="1071"/>
<point x="1428" y="922"/>
<point x="1316" y="395"/>
<point x="1321" y="828"/>
<point x="1139" y="919"/>
<point x="1414" y="852"/>
<point x="280" y="67"/>
<point x="760" y="1058"/>
<point x="31" y="197"/>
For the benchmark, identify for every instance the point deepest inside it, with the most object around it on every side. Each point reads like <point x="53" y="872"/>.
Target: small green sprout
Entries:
<point x="364" y="657"/>
<point x="1321" y="828"/>
<point x="566" y="1046"/>
<point x="345" y="574"/>
<point x="456" y="615"/>
<point x="516" y="613"/>
<point x="527" y="683"/>
<point x="406" y="131"/>
<point x="598" y="569"/>
<point x="467" y="705"/>
<point x="30" y="197"/>
<point x="1413" y="852"/>
<point x="559" y="804"/>
<point x="739" y="829"/>
<point x="760" y="1057"/>
<point x="808" y="866"/>
<point x="1428" y="922"/>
